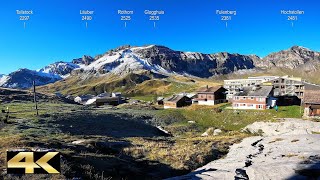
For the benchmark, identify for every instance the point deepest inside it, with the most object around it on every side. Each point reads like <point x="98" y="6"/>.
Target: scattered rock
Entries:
<point x="217" y="132"/>
<point x="208" y="132"/>
<point x="79" y="141"/>
<point x="38" y="149"/>
<point x="164" y="131"/>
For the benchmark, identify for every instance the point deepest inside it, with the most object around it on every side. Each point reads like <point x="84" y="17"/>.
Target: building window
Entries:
<point x="260" y="99"/>
<point x="244" y="98"/>
<point x="260" y="106"/>
<point x="252" y="98"/>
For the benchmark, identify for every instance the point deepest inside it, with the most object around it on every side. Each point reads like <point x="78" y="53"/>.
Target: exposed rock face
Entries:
<point x="295" y="57"/>
<point x="287" y="150"/>
<point x="196" y="64"/>
<point x="23" y="79"/>
<point x="59" y="68"/>
<point x="86" y="60"/>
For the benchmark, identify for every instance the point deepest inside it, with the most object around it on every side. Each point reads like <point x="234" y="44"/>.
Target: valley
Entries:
<point x="125" y="141"/>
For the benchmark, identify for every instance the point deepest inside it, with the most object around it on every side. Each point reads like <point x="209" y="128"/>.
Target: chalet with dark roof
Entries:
<point x="177" y="101"/>
<point x="210" y="95"/>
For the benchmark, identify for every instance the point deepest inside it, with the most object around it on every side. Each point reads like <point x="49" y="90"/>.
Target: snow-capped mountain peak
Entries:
<point x="62" y="69"/>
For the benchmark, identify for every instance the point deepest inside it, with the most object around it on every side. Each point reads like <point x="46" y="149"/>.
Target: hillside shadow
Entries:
<point x="308" y="169"/>
<point x="2" y="124"/>
<point x="118" y="125"/>
<point x="104" y="159"/>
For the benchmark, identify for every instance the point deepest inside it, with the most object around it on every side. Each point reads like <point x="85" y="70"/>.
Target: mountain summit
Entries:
<point x="161" y="60"/>
<point x="295" y="57"/>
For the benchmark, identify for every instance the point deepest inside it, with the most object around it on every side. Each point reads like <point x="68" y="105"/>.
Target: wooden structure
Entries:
<point x="311" y="103"/>
<point x="108" y="101"/>
<point x="211" y="95"/>
<point x="177" y="101"/>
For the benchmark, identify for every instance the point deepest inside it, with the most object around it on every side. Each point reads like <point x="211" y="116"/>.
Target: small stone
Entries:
<point x="217" y="132"/>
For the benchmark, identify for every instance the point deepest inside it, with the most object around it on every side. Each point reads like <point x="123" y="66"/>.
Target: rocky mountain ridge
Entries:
<point x="163" y="61"/>
<point x="293" y="58"/>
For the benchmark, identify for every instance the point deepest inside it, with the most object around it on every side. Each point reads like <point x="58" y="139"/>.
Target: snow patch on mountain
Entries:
<point x="3" y="79"/>
<point x="122" y="62"/>
<point x="99" y="63"/>
<point x="62" y="69"/>
<point x="23" y="79"/>
<point x="130" y="61"/>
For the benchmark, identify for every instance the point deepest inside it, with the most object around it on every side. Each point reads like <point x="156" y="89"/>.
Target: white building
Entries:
<point x="234" y="85"/>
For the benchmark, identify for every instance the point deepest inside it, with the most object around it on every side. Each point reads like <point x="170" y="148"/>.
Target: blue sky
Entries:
<point x="55" y="32"/>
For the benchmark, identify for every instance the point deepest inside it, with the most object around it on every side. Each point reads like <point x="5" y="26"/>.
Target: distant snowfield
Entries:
<point x="288" y="149"/>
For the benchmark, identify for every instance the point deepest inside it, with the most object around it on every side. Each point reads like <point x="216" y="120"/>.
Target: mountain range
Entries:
<point x="161" y="61"/>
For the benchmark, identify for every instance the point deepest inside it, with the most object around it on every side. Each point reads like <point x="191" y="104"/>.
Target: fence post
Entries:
<point x="35" y="97"/>
<point x="7" y="116"/>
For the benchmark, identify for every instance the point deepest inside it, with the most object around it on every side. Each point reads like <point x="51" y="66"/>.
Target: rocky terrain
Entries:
<point x="293" y="58"/>
<point x="288" y="149"/>
<point x="23" y="79"/>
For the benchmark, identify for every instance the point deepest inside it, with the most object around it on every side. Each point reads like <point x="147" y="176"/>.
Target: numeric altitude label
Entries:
<point x="226" y="15"/>
<point x="292" y="15"/>
<point x="125" y="16"/>
<point x="24" y="16"/>
<point x="86" y="16"/>
<point x="154" y="15"/>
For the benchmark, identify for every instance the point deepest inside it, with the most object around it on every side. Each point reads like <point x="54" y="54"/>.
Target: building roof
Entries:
<point x="174" y="98"/>
<point x="107" y="99"/>
<point x="104" y="95"/>
<point x="309" y="86"/>
<point x="312" y="96"/>
<point x="262" y="91"/>
<point x="189" y="95"/>
<point x="160" y="98"/>
<point x="209" y="89"/>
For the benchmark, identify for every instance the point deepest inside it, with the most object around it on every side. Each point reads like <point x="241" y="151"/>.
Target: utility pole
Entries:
<point x="35" y="97"/>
